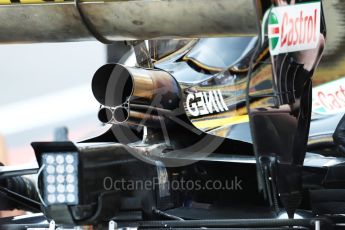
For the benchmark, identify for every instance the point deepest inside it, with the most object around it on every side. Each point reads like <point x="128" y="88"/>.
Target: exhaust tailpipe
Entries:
<point x="118" y="114"/>
<point x="135" y="95"/>
<point x="121" y="114"/>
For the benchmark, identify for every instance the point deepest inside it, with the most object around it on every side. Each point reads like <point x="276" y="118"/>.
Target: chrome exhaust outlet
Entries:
<point x="135" y="95"/>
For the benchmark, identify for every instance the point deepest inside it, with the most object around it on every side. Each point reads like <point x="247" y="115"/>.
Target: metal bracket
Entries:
<point x="142" y="53"/>
<point x="112" y="225"/>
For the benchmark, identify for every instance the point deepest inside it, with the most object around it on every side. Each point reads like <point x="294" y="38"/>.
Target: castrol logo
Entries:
<point x="329" y="98"/>
<point x="293" y="28"/>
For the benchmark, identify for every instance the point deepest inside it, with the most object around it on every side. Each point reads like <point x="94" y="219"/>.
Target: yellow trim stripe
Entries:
<point x="31" y="1"/>
<point x="215" y="69"/>
<point x="203" y="66"/>
<point x="8" y="2"/>
<point x="5" y="2"/>
<point x="177" y="52"/>
<point x="221" y="121"/>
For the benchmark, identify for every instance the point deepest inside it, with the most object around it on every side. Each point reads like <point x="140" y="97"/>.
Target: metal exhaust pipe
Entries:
<point x="125" y="20"/>
<point x="105" y="115"/>
<point x="135" y="95"/>
<point x="121" y="114"/>
<point x="146" y="119"/>
<point x="115" y="85"/>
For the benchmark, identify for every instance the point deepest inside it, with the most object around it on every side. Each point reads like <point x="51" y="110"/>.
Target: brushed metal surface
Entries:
<point x="127" y="20"/>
